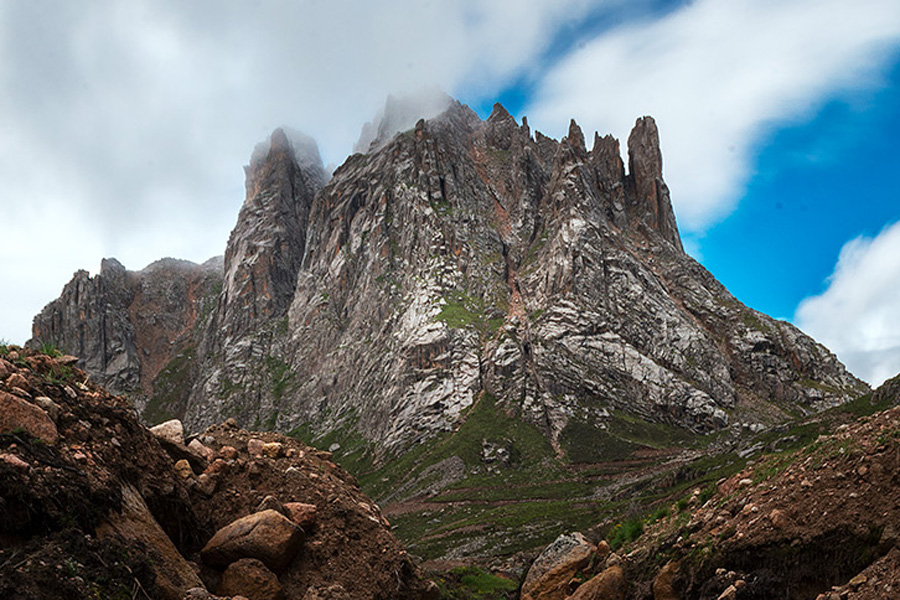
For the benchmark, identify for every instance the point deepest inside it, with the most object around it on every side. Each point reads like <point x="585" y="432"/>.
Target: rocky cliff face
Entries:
<point x="126" y="326"/>
<point x="465" y="257"/>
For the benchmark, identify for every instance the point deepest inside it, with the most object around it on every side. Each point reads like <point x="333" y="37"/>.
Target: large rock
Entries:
<point x="16" y="413"/>
<point x="135" y="523"/>
<point x="268" y="536"/>
<point x="608" y="585"/>
<point x="549" y="575"/>
<point x="171" y="431"/>
<point x="251" y="578"/>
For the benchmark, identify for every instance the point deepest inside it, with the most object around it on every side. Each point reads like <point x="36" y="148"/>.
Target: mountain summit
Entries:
<point x="460" y="260"/>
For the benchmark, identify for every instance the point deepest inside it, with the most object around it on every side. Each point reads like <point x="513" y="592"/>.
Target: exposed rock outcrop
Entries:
<point x="133" y="329"/>
<point x="460" y="259"/>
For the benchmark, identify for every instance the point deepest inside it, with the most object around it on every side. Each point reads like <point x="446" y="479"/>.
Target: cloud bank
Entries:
<point x="858" y="316"/>
<point x="717" y="75"/>
<point x="124" y="125"/>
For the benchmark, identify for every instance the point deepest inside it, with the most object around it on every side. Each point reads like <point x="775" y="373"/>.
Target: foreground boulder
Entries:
<point x="268" y="536"/>
<point x="249" y="577"/>
<point x="102" y="512"/>
<point x="16" y="413"/>
<point x="549" y="576"/>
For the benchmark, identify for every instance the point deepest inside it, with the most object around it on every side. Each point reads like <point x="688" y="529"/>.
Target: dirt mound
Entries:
<point x="820" y="522"/>
<point x="93" y="505"/>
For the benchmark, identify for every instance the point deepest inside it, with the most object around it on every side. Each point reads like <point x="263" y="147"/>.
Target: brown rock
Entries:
<point x="66" y="360"/>
<point x="251" y="578"/>
<point x="12" y="459"/>
<point x="197" y="447"/>
<point x="217" y="466"/>
<point x="779" y="519"/>
<point x="268" y="536"/>
<point x="183" y="469"/>
<point x="173" y="573"/>
<point x="608" y="585"/>
<point x="255" y="447"/>
<point x="206" y="483"/>
<point x="549" y="575"/>
<point x="304" y="515"/>
<point x="228" y="452"/>
<point x="603" y="549"/>
<point x="172" y="431"/>
<point x="663" y="585"/>
<point x="6" y="368"/>
<point x="16" y="413"/>
<point x="273" y="449"/>
<point x="17" y="380"/>
<point x="49" y="406"/>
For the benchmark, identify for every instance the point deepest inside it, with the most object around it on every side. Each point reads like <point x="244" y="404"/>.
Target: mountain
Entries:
<point x="129" y="328"/>
<point x="466" y="308"/>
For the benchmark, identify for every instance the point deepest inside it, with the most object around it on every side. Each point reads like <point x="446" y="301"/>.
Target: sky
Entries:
<point x="124" y="127"/>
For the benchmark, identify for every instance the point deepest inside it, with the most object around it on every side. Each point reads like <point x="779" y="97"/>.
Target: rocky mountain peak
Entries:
<point x="464" y="257"/>
<point x="400" y="113"/>
<point x="576" y="138"/>
<point x="649" y="191"/>
<point x="266" y="247"/>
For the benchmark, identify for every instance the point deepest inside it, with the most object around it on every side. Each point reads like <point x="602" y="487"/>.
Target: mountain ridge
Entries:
<point x="465" y="257"/>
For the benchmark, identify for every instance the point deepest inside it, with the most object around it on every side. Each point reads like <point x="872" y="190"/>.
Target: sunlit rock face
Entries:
<point x="464" y="257"/>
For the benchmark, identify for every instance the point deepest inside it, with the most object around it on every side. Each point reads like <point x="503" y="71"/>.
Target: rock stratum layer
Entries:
<point x="461" y="258"/>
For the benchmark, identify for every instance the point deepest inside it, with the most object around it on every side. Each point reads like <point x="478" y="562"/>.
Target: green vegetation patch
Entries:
<point x="281" y="376"/>
<point x="170" y="389"/>
<point x="463" y="583"/>
<point x="462" y="311"/>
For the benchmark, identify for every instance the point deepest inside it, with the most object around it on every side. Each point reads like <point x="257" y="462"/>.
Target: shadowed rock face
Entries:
<point x="127" y="325"/>
<point x="467" y="256"/>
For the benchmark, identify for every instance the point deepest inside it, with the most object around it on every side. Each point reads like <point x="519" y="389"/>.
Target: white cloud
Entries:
<point x="135" y="118"/>
<point x="858" y="316"/>
<point x="716" y="75"/>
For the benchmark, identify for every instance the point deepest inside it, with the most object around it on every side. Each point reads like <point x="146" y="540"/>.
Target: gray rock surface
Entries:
<point x="463" y="257"/>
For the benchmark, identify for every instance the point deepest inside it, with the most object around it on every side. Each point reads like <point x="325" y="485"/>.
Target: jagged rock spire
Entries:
<point x="649" y="193"/>
<point x="266" y="247"/>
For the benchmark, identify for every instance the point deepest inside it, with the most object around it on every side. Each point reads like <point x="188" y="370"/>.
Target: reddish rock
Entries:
<point x="6" y="368"/>
<point x="66" y="360"/>
<point x="267" y="535"/>
<point x="17" y="380"/>
<point x="549" y="576"/>
<point x="608" y="585"/>
<point x="251" y="578"/>
<point x="217" y="466"/>
<point x="304" y="515"/>
<point x="197" y="447"/>
<point x="12" y="459"/>
<point x="228" y="452"/>
<point x="16" y="413"/>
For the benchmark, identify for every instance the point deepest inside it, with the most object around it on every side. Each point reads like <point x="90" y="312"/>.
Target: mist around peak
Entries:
<point x="304" y="147"/>
<point x="399" y="114"/>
